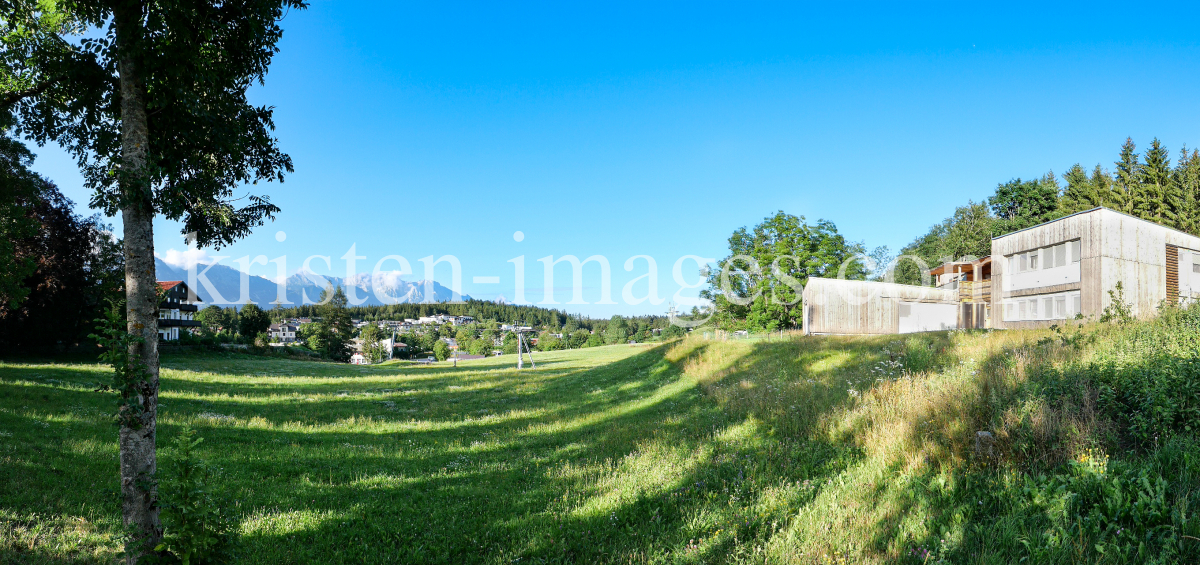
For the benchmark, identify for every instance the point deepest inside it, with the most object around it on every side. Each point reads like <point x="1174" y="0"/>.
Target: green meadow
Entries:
<point x="794" y="450"/>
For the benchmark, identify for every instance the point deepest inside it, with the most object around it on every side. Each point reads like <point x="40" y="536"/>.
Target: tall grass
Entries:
<point x="1094" y="458"/>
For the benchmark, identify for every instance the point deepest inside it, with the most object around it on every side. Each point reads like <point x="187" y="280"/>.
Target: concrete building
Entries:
<point x="1035" y="277"/>
<point x="1050" y="272"/>
<point x="836" y="306"/>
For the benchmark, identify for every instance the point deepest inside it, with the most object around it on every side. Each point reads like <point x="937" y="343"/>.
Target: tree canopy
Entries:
<point x="193" y="62"/>
<point x="1019" y="204"/>
<point x="252" y="320"/>
<point x="57" y="268"/>
<point x="758" y="285"/>
<point x="18" y="187"/>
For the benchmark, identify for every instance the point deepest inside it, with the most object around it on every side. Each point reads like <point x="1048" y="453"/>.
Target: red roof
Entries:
<point x="167" y="286"/>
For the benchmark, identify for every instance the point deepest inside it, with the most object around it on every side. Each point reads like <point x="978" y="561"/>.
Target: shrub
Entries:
<point x="1094" y="510"/>
<point x="1119" y="310"/>
<point x="441" y="350"/>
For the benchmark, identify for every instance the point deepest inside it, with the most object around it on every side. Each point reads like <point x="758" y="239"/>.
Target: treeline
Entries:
<point x="483" y="338"/>
<point x="478" y="309"/>
<point x="482" y="310"/>
<point x="1146" y="186"/>
<point x="57" y="269"/>
<point x="330" y="330"/>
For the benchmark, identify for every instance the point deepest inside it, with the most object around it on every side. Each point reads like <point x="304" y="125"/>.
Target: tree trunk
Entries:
<point x="137" y="435"/>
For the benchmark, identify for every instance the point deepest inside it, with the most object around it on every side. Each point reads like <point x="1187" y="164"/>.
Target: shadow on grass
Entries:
<point x="626" y="461"/>
<point x="624" y="478"/>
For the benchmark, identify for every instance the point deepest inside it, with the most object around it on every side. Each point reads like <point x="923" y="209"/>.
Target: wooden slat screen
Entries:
<point x="1172" y="274"/>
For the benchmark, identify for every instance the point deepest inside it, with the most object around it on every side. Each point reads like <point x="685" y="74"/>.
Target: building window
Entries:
<point x="1059" y="255"/>
<point x="1058" y="306"/>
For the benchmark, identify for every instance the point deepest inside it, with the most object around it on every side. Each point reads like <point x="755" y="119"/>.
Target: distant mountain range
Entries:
<point x="226" y="281"/>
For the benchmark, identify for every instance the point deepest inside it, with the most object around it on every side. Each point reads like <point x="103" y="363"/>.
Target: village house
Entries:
<point x="439" y="319"/>
<point x="284" y="332"/>
<point x="359" y="358"/>
<point x="177" y="310"/>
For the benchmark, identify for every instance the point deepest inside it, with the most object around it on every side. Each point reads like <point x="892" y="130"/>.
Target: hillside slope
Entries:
<point x="797" y="450"/>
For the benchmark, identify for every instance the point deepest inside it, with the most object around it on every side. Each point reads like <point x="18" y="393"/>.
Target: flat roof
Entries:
<point x="1131" y="216"/>
<point x="1063" y="218"/>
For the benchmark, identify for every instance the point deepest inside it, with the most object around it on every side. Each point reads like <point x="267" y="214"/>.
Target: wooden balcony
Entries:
<point x="975" y="291"/>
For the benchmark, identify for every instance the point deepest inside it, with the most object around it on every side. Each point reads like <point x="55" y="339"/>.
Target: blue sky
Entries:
<point x="627" y="129"/>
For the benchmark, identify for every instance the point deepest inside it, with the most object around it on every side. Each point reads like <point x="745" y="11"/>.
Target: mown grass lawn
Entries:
<point x="609" y="454"/>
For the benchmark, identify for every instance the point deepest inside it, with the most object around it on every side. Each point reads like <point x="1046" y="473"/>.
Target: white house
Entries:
<point x="285" y="332"/>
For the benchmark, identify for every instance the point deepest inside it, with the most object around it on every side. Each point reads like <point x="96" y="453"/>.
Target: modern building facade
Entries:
<point x="177" y="310"/>
<point x="1036" y="277"/>
<point x="1052" y="272"/>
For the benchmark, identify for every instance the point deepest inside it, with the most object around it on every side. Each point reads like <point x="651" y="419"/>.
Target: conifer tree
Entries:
<point x="1126" y="182"/>
<point x="1157" y="200"/>
<point x="1186" y="178"/>
<point x="1110" y="197"/>
<point x="1081" y="193"/>
<point x="336" y="326"/>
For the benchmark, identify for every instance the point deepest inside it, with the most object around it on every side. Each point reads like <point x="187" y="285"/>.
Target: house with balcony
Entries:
<point x="284" y="332"/>
<point x="177" y="310"/>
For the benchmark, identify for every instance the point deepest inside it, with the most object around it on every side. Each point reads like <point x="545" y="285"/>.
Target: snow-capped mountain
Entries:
<point x="304" y="287"/>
